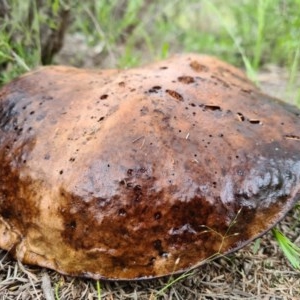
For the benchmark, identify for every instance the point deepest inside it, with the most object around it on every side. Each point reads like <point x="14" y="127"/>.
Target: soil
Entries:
<point x="258" y="271"/>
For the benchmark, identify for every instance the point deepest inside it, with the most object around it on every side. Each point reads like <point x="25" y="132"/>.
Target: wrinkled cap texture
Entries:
<point x="144" y="172"/>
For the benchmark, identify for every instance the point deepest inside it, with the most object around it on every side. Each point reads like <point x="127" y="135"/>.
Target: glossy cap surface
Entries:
<point x="144" y="172"/>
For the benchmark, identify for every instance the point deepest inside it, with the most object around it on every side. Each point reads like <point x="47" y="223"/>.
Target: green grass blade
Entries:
<point x="262" y="8"/>
<point x="98" y="284"/>
<point x="293" y="74"/>
<point x="20" y="61"/>
<point x="172" y="282"/>
<point x="56" y="291"/>
<point x="290" y="250"/>
<point x="249" y="68"/>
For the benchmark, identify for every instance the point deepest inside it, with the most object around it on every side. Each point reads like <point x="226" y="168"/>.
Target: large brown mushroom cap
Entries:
<point x="144" y="172"/>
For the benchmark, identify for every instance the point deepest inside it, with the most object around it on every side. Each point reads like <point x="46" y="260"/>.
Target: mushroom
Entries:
<point x="145" y="172"/>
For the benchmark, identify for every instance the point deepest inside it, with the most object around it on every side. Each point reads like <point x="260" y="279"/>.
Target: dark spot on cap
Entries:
<point x="196" y="66"/>
<point x="175" y="95"/>
<point x="157" y="215"/>
<point x="186" y="79"/>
